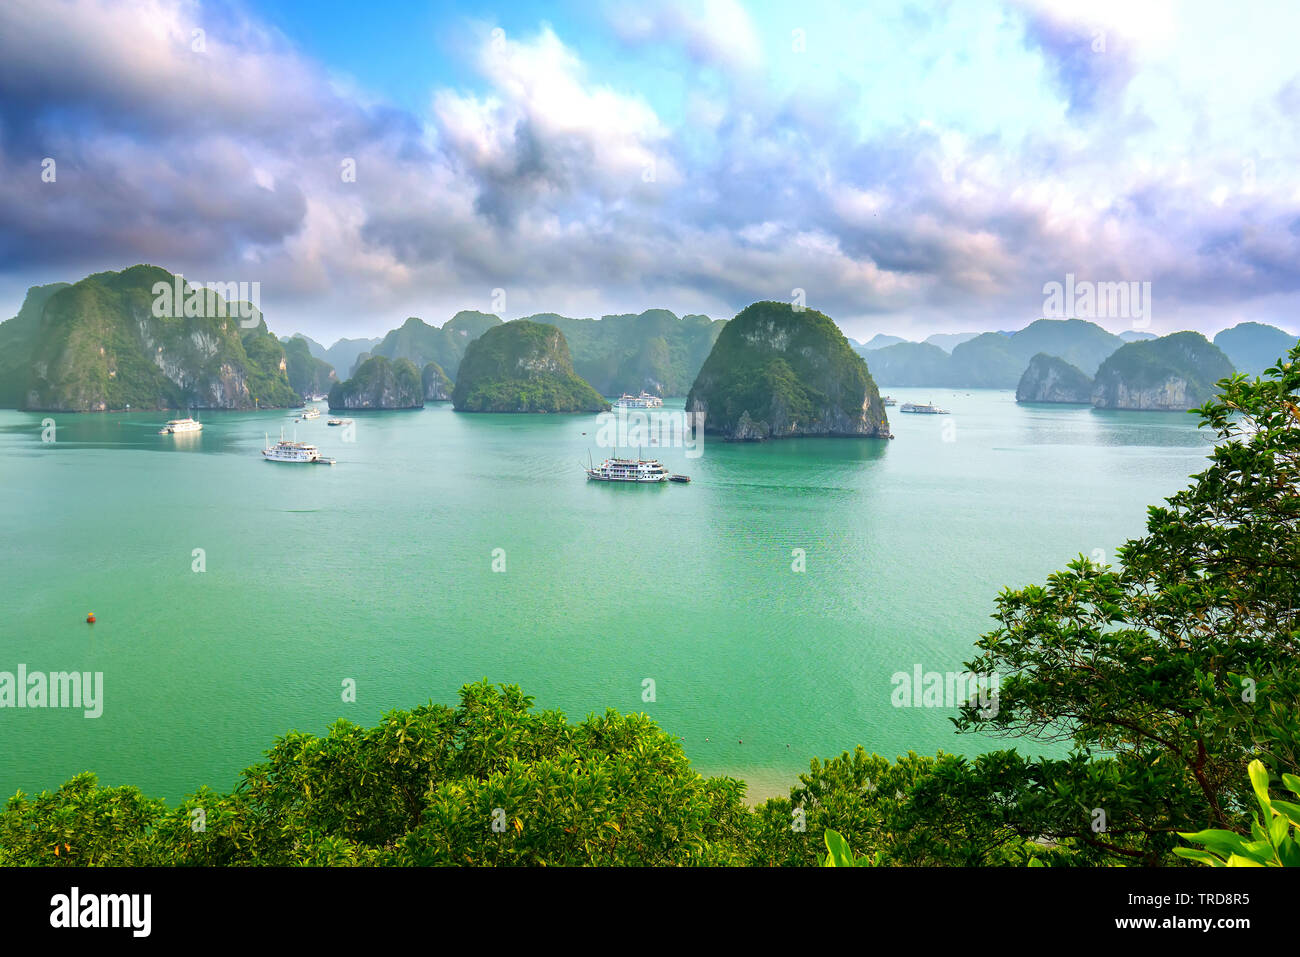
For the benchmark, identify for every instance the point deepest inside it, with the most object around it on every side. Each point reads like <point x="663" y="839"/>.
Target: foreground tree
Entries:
<point x="489" y="782"/>
<point x="1169" y="672"/>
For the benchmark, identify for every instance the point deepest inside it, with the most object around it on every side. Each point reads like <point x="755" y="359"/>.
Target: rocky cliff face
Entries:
<point x="102" y="344"/>
<point x="776" y="373"/>
<point x="1174" y="394"/>
<point x="1052" y="379"/>
<point x="437" y="387"/>
<point x="1172" y="373"/>
<point x="522" y="366"/>
<point x="380" y="383"/>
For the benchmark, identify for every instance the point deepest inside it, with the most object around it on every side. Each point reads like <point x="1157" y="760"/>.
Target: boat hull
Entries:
<point x="649" y="480"/>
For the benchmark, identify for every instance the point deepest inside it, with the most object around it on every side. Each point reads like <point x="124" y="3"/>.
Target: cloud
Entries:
<point x="717" y="33"/>
<point x="545" y="134"/>
<point x="564" y="180"/>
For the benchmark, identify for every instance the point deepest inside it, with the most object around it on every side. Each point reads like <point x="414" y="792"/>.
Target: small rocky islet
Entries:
<point x="777" y="371"/>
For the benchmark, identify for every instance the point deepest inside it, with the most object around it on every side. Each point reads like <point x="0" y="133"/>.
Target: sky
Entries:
<point x="906" y="168"/>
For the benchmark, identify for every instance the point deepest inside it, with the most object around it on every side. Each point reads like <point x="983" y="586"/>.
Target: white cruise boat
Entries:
<point x="628" y="470"/>
<point x="310" y="412"/>
<point x="927" y="408"/>
<point x="176" y="426"/>
<point x="643" y="401"/>
<point x="298" y="452"/>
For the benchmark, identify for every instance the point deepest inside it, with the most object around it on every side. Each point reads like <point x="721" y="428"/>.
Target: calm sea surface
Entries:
<point x="380" y="570"/>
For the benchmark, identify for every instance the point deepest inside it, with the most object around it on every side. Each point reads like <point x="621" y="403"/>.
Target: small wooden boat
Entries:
<point x="682" y="479"/>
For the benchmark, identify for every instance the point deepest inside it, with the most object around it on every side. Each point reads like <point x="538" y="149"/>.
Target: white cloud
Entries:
<point x="712" y="32"/>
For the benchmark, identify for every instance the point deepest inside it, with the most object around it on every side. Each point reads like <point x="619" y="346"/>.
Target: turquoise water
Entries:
<point x="380" y="570"/>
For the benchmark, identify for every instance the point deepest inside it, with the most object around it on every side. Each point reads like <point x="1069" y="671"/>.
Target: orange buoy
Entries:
<point x="90" y="618"/>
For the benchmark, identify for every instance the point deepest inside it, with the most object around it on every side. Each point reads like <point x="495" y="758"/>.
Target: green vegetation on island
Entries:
<point x="17" y="339"/>
<point x="307" y="374"/>
<point x="1172" y="373"/>
<point x="653" y="351"/>
<point x="103" y="344"/>
<point x="445" y="346"/>
<point x="522" y="366"/>
<point x="777" y="372"/>
<point x="380" y="383"/>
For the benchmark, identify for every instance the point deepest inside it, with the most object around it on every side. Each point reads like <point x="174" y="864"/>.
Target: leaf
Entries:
<point x="839" y="853"/>
<point x="1291" y="810"/>
<point x="1224" y="842"/>
<point x="1205" y="857"/>
<point x="1236" y="860"/>
<point x="1292" y="783"/>
<point x="1259" y="781"/>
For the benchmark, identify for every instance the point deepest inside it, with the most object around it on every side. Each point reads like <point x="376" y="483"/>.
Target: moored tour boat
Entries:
<point x="643" y="401"/>
<point x="176" y="426"/>
<point x="295" y="452"/>
<point x="636" y="471"/>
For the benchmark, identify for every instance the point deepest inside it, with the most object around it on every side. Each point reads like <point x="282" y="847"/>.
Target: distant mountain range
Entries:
<point x="655" y="351"/>
<point x="993" y="360"/>
<point x="342" y="356"/>
<point x="308" y="375"/>
<point x="999" y="360"/>
<point x="944" y="340"/>
<point x="1253" y="346"/>
<point x="101" y="343"/>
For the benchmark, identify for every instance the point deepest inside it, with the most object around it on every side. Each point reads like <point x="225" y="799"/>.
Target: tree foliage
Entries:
<point x="1179" y="665"/>
<point x="489" y="782"/>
